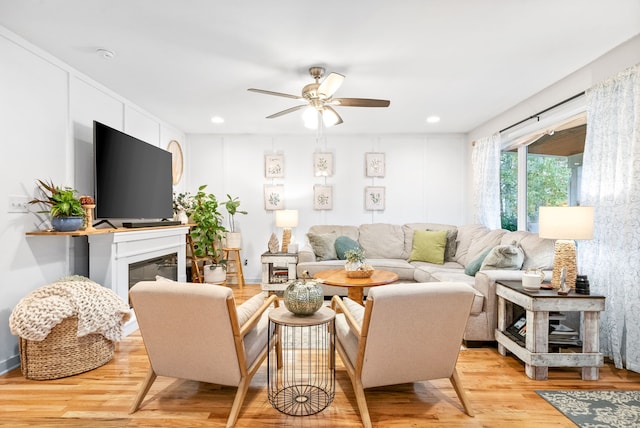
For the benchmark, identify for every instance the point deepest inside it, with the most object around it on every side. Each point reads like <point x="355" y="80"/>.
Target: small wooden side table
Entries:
<point x="355" y="286"/>
<point x="303" y="382"/>
<point x="537" y="305"/>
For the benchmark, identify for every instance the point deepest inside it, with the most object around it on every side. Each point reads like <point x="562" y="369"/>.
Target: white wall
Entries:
<point x="424" y="181"/>
<point x="46" y="125"/>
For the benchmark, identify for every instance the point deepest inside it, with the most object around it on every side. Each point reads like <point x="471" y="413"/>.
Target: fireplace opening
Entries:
<point x="147" y="270"/>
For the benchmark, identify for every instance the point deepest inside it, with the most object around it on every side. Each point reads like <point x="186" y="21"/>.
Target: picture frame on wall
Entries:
<point x="374" y="164"/>
<point x="323" y="164"/>
<point x="322" y="197"/>
<point x="374" y="198"/>
<point x="273" y="197"/>
<point x="274" y="166"/>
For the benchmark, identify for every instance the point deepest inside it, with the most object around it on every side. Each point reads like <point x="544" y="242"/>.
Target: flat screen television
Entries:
<point x="133" y="179"/>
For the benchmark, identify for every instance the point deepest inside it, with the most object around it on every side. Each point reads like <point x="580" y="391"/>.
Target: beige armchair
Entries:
<point x="196" y="332"/>
<point x="404" y="333"/>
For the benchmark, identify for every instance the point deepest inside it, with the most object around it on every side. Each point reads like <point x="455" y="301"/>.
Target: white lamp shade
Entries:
<point x="287" y="218"/>
<point x="566" y="223"/>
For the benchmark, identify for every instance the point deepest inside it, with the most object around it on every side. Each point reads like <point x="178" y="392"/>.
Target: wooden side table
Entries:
<point x="303" y="381"/>
<point x="537" y="305"/>
<point x="277" y="270"/>
<point x="355" y="286"/>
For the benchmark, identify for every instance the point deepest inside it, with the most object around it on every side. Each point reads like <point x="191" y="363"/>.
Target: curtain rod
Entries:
<point x="534" y="116"/>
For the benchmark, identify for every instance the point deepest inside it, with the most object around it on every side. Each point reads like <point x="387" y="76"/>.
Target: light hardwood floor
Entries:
<point x="499" y="391"/>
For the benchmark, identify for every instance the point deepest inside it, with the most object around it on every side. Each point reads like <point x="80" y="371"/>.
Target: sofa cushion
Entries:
<point x="344" y="244"/>
<point x="409" y="228"/>
<point x="504" y="257"/>
<point x="472" y="268"/>
<point x="450" y="247"/>
<point x="483" y="243"/>
<point x="538" y="252"/>
<point x="428" y="246"/>
<point x="466" y="235"/>
<point x="381" y="241"/>
<point x="323" y="245"/>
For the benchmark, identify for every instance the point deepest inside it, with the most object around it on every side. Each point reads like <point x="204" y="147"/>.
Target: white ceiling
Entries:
<point x="463" y="60"/>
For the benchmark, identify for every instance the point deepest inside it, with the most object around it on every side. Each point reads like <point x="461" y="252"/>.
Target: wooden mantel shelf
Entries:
<point x="100" y="231"/>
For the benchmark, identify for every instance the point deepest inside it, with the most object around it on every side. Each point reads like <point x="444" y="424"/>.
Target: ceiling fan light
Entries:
<point x="329" y="118"/>
<point x="310" y="118"/>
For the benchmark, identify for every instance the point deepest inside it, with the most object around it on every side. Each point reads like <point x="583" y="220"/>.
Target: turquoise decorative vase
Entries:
<point x="66" y="224"/>
<point x="303" y="297"/>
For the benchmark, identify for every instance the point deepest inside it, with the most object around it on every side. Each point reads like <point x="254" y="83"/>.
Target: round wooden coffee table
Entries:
<point x="355" y="286"/>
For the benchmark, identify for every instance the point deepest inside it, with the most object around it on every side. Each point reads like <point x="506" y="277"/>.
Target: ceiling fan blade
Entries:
<point x="277" y="94"/>
<point x="359" y="102"/>
<point x="287" y="111"/>
<point x="339" y="119"/>
<point x="330" y="85"/>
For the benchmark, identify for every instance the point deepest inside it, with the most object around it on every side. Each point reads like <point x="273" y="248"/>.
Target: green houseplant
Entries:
<point x="207" y="234"/>
<point x="65" y="208"/>
<point x="234" y="238"/>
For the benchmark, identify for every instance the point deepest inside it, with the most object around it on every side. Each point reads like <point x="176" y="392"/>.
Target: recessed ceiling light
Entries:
<point x="433" y="119"/>
<point x="217" y="120"/>
<point x="105" y="53"/>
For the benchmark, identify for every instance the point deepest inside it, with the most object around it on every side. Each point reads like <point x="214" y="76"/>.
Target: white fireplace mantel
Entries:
<point x="110" y="255"/>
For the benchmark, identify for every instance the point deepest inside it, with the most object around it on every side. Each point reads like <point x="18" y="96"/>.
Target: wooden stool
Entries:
<point x="236" y="263"/>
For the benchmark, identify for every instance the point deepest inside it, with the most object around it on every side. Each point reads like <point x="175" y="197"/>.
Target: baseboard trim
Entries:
<point x="9" y="364"/>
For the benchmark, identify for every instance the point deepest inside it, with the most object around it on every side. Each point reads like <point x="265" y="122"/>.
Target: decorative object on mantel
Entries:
<point x="88" y="204"/>
<point x="565" y="225"/>
<point x="177" y="162"/>
<point x="183" y="204"/>
<point x="67" y="214"/>
<point x="303" y="296"/>
<point x="274" y="244"/>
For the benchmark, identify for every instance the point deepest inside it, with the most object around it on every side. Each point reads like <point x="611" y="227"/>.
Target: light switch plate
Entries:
<point x="18" y="204"/>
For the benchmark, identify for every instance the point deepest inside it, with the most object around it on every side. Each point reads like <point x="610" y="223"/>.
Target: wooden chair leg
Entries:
<point x="462" y="395"/>
<point x="243" y="387"/>
<point x="144" y="388"/>
<point x="362" y="403"/>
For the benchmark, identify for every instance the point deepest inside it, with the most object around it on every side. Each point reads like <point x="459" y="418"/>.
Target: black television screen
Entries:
<point x="132" y="178"/>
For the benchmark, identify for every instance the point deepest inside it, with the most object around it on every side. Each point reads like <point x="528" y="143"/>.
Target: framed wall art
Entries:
<point x="273" y="197"/>
<point x="323" y="164"/>
<point x="374" y="198"/>
<point x="374" y="164"/>
<point x="273" y="166"/>
<point x="322" y="197"/>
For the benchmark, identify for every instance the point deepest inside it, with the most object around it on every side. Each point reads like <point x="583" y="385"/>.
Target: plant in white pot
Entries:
<point x="234" y="238"/>
<point x="65" y="209"/>
<point x="207" y="234"/>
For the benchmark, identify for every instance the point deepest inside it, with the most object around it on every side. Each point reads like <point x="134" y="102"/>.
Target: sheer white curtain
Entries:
<point x="611" y="184"/>
<point x="485" y="164"/>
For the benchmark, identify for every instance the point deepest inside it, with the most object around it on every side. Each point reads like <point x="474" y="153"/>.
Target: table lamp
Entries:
<point x="286" y="219"/>
<point x="565" y="225"/>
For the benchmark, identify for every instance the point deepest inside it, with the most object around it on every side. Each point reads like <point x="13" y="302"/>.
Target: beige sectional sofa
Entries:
<point x="389" y="246"/>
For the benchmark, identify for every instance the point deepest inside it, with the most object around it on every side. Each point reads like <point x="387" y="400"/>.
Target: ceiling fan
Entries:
<point x="319" y="99"/>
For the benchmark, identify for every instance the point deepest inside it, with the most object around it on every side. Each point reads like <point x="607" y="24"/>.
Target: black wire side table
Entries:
<point x="303" y="381"/>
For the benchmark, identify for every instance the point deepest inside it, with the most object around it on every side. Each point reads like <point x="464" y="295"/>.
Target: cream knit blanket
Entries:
<point x="99" y="310"/>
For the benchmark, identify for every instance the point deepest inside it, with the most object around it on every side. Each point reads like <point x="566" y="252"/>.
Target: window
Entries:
<point x="552" y="164"/>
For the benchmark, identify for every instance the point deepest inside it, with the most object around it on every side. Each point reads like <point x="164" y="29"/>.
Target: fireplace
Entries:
<point x="117" y="259"/>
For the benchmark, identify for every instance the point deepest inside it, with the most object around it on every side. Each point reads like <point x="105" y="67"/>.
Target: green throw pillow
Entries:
<point x="473" y="267"/>
<point x="344" y="244"/>
<point x="428" y="246"/>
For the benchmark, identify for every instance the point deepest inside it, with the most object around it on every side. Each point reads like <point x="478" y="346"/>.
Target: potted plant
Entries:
<point x="234" y="238"/>
<point x="355" y="258"/>
<point x="65" y="209"/>
<point x="182" y="206"/>
<point x="207" y="234"/>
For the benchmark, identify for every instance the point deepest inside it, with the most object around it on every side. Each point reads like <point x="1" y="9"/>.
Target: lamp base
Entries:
<point x="286" y="240"/>
<point x="565" y="257"/>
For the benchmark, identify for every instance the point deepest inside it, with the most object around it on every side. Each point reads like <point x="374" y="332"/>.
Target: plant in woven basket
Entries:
<point x="355" y="255"/>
